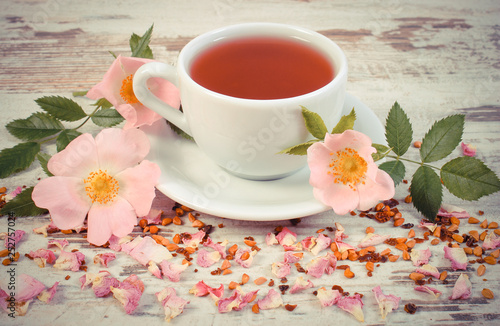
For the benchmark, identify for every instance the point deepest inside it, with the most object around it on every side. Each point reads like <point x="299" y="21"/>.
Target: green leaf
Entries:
<point x="314" y="124"/>
<point x="426" y="191"/>
<point x="300" y="149"/>
<point x="65" y="137"/>
<point x="79" y="93"/>
<point x="103" y="103"/>
<point x="113" y="54"/>
<point x="345" y="123"/>
<point x="396" y="169"/>
<point x="468" y="178"/>
<point x="398" y="131"/>
<point x="61" y="108"/>
<point x="443" y="137"/>
<point x="22" y="205"/>
<point x="106" y="117"/>
<point x="139" y="45"/>
<point x="17" y="158"/>
<point x="39" y="125"/>
<point x="382" y="152"/>
<point x="179" y="131"/>
<point x="44" y="158"/>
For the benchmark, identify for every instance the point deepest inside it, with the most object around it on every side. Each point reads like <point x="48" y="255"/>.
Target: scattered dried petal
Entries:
<point x="104" y="259"/>
<point x="457" y="257"/>
<point x="462" y="288"/>
<point x="271" y="300"/>
<point x="386" y="303"/>
<point x="420" y="257"/>
<point x="172" y="304"/>
<point x="427" y="289"/>
<point x="352" y="305"/>
<point x="328" y="297"/>
<point x="300" y="285"/>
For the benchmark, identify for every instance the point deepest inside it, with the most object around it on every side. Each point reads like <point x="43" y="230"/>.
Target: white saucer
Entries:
<point x="190" y="178"/>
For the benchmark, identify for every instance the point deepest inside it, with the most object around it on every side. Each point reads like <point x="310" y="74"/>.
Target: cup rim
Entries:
<point x="251" y="29"/>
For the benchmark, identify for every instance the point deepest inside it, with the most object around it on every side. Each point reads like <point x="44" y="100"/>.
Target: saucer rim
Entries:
<point x="251" y="211"/>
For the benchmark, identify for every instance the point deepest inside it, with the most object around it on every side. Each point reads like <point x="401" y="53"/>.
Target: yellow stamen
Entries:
<point x="127" y="91"/>
<point x="348" y="168"/>
<point x="101" y="187"/>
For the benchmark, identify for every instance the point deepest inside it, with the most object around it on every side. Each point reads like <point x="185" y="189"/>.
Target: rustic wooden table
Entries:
<point x="435" y="58"/>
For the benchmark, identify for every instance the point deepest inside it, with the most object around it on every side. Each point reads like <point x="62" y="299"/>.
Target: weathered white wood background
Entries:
<point x="434" y="57"/>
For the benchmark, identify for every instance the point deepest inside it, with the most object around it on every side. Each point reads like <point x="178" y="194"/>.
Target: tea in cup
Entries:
<point x="242" y="88"/>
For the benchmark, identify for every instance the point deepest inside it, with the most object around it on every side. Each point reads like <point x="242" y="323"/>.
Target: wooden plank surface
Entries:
<point x="435" y="58"/>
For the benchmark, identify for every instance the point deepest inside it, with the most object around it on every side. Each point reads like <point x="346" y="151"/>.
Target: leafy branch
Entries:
<point x="465" y="177"/>
<point x="47" y="126"/>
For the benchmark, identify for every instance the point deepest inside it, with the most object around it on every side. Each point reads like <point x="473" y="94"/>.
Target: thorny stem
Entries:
<point x="76" y="128"/>
<point x="411" y="161"/>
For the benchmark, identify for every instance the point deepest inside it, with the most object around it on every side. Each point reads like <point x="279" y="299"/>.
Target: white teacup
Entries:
<point x="243" y="135"/>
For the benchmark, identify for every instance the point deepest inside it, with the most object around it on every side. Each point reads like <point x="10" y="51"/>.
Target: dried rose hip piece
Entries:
<point x="410" y="308"/>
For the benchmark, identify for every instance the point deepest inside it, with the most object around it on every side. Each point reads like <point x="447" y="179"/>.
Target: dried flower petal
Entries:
<point x="270" y="301"/>
<point x="194" y="240"/>
<point x="172" y="271"/>
<point x="300" y="285"/>
<point x="280" y="270"/>
<point x="420" y="257"/>
<point x="447" y="210"/>
<point x="427" y="289"/>
<point x="237" y="301"/>
<point x="292" y="258"/>
<point x="352" y="305"/>
<point x="468" y="149"/>
<point x="325" y="264"/>
<point x="386" y="303"/>
<point x="153" y="217"/>
<point x="115" y="243"/>
<point x="13" y="239"/>
<point x="206" y="258"/>
<point x="328" y="297"/>
<point x="372" y="239"/>
<point x="58" y="243"/>
<point x="220" y="247"/>
<point x="201" y="289"/>
<point x="462" y="288"/>
<point x="491" y="241"/>
<point x="271" y="239"/>
<point x="428" y="225"/>
<point x="104" y="259"/>
<point x="43" y="256"/>
<point x="172" y="304"/>
<point x="428" y="270"/>
<point x="101" y="283"/>
<point x="457" y="257"/>
<point x="27" y="287"/>
<point x="146" y="250"/>
<point x="129" y="293"/>
<point x="154" y="269"/>
<point x="69" y="261"/>
<point x="247" y="262"/>
<point x="286" y="237"/>
<point x="48" y="294"/>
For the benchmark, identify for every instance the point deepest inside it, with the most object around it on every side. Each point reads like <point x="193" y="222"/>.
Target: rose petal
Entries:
<point x="386" y="303"/>
<point x="27" y="287"/>
<point x="244" y="263"/>
<point x="43" y="256"/>
<point x="427" y="289"/>
<point x="201" y="289"/>
<point x="328" y="297"/>
<point x="447" y="210"/>
<point x="58" y="243"/>
<point x="172" y="304"/>
<point x="429" y="270"/>
<point x="153" y="217"/>
<point x="12" y="240"/>
<point x="491" y="241"/>
<point x="69" y="261"/>
<point x="372" y="239"/>
<point x="128" y="293"/>
<point x="468" y="149"/>
<point x="104" y="258"/>
<point x="271" y="239"/>
<point x="420" y="256"/>
<point x="272" y="300"/>
<point x="280" y="270"/>
<point x="172" y="271"/>
<point x="352" y="305"/>
<point x="207" y="259"/>
<point x="193" y="240"/>
<point x="220" y="247"/>
<point x="48" y="294"/>
<point x="237" y="301"/>
<point x="462" y="289"/>
<point x="457" y="257"/>
<point x="146" y="249"/>
<point x="286" y="237"/>
<point x="300" y="285"/>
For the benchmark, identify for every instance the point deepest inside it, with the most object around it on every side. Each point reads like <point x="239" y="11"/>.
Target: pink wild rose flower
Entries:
<point x="116" y="87"/>
<point x="105" y="179"/>
<point x="344" y="175"/>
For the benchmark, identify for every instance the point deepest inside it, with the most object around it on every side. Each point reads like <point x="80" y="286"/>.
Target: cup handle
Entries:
<point x="151" y="101"/>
